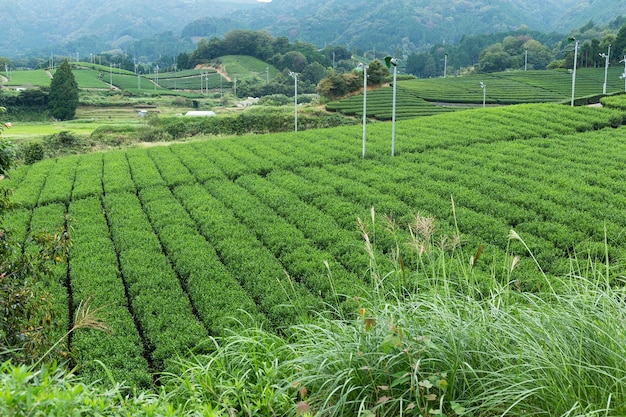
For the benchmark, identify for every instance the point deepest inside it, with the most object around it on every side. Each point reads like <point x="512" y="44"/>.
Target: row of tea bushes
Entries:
<point x="217" y="296"/>
<point x="158" y="300"/>
<point x="282" y="299"/>
<point x="95" y="278"/>
<point x="300" y="257"/>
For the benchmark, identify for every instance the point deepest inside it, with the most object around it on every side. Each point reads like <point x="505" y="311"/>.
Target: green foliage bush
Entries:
<point x="275" y="100"/>
<point x="7" y="156"/>
<point x="617" y="101"/>
<point x="27" y="323"/>
<point x="32" y="152"/>
<point x="246" y="122"/>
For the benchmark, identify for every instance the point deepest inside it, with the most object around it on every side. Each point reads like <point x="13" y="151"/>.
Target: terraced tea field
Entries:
<point x="425" y="97"/>
<point x="178" y="243"/>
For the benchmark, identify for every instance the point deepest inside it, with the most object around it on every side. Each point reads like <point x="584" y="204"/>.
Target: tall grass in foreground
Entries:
<point x="456" y="345"/>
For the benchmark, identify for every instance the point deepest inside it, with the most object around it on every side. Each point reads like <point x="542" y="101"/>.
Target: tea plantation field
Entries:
<point x="180" y="242"/>
<point x="425" y="97"/>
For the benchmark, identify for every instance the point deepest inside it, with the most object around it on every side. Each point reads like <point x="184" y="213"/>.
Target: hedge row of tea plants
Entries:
<point x="158" y="300"/>
<point x="116" y="176"/>
<point x="196" y="162"/>
<point x="51" y="219"/>
<point x="143" y="170"/>
<point x="193" y="234"/>
<point x="280" y="297"/>
<point x="60" y="182"/>
<point x="315" y="268"/>
<point x="170" y="168"/>
<point x="27" y="194"/>
<point x="88" y="178"/>
<point x="378" y="105"/>
<point x="217" y="296"/>
<point x="95" y="279"/>
<point x="316" y="225"/>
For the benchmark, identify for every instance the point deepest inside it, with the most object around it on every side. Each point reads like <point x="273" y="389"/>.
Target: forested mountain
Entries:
<point x="84" y="26"/>
<point x="415" y="24"/>
<point x="105" y="24"/>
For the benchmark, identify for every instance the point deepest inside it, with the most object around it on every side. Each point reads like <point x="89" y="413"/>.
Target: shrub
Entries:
<point x="32" y="152"/>
<point x="26" y="323"/>
<point x="275" y="100"/>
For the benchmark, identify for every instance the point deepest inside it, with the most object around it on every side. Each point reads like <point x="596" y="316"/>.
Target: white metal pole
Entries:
<point x="484" y="87"/>
<point x="393" y="112"/>
<point x="445" y="65"/>
<point x="574" y="72"/>
<point x="624" y="74"/>
<point x="295" y="99"/>
<point x="364" y="105"/>
<point x="607" y="57"/>
<point x="525" y="59"/>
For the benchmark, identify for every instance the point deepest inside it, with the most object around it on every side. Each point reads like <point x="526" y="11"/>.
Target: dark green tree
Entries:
<point x="182" y="61"/>
<point x="620" y="42"/>
<point x="314" y="73"/>
<point x="333" y="86"/>
<point x="63" y="99"/>
<point x="205" y="51"/>
<point x="495" y="58"/>
<point x="294" y="61"/>
<point x="377" y="72"/>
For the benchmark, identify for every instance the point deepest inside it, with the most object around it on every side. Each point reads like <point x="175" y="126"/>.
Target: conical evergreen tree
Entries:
<point x="63" y="99"/>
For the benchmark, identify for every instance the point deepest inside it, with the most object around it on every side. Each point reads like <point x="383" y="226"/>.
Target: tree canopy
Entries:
<point x="63" y="99"/>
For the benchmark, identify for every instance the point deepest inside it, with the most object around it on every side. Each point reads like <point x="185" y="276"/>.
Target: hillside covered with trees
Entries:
<point x="149" y="30"/>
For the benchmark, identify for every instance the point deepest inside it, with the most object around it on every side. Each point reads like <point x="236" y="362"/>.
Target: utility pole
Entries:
<point x="484" y="87"/>
<point x="389" y="61"/>
<point x="365" y="67"/>
<point x="606" y="57"/>
<point x="525" y="59"/>
<point x="574" y="70"/>
<point x="623" y="76"/>
<point x="295" y="99"/>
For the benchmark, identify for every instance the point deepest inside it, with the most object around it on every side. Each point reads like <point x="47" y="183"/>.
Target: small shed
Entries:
<point x="200" y="113"/>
